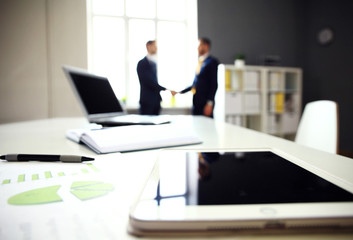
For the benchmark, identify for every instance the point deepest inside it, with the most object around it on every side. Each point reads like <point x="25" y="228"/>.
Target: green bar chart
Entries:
<point x="49" y="174"/>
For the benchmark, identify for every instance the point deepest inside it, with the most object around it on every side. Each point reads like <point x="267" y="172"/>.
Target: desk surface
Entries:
<point x="107" y="217"/>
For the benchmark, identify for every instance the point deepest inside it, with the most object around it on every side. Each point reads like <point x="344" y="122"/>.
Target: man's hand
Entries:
<point x="207" y="110"/>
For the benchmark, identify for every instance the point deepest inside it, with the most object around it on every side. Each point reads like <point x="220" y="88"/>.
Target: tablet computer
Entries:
<point x="212" y="192"/>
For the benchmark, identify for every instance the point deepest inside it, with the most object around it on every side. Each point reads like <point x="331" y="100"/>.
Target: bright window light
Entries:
<point x="108" y="7"/>
<point x="173" y="175"/>
<point x="118" y="32"/>
<point x="141" y="8"/>
<point x="171" y="10"/>
<point x="109" y="51"/>
<point x="171" y="56"/>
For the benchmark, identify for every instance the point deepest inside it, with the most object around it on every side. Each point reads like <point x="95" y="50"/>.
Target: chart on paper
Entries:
<point x="46" y="174"/>
<point x="49" y="183"/>
<point x="83" y="190"/>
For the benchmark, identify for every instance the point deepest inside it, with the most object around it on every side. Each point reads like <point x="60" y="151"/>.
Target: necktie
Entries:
<point x="198" y="69"/>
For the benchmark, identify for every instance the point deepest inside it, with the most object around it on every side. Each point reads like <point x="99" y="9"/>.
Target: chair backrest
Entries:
<point x="318" y="127"/>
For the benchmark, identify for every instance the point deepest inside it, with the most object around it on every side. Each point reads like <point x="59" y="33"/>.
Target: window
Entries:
<point x="118" y="32"/>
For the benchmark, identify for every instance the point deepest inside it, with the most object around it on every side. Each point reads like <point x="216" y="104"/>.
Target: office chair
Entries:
<point x="318" y="126"/>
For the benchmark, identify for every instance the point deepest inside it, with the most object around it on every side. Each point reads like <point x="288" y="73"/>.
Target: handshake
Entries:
<point x="173" y="92"/>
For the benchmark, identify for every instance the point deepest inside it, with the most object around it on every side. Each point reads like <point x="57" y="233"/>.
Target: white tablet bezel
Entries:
<point x="252" y="217"/>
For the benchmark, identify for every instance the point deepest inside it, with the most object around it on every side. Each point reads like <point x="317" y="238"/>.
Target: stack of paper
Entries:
<point x="233" y="103"/>
<point x="251" y="80"/>
<point x="132" y="138"/>
<point x="252" y="103"/>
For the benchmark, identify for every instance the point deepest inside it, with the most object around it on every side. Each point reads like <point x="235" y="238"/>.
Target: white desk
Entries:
<point x="108" y="219"/>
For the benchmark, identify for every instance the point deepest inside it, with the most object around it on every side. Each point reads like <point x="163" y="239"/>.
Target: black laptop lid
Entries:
<point x="95" y="93"/>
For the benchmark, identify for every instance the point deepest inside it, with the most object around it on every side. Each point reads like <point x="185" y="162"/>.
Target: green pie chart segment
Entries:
<point x="83" y="190"/>
<point x="36" y="196"/>
<point x="90" y="189"/>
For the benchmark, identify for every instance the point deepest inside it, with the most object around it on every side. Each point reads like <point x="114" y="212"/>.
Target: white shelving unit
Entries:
<point x="266" y="99"/>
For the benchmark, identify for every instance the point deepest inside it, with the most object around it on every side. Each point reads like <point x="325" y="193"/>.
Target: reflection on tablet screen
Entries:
<point x="213" y="178"/>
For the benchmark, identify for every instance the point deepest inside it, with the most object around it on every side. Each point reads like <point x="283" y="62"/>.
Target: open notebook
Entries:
<point x="133" y="138"/>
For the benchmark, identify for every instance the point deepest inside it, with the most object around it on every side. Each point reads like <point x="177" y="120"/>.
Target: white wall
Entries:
<point x="36" y="38"/>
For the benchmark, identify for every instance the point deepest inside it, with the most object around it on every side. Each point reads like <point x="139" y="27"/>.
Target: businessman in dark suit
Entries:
<point x="205" y="84"/>
<point x="150" y="98"/>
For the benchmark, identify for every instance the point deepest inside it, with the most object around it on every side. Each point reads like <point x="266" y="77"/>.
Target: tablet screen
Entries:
<point x="214" y="178"/>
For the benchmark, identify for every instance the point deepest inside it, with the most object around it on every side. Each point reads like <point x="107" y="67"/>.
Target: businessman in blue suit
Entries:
<point x="205" y="84"/>
<point x="150" y="98"/>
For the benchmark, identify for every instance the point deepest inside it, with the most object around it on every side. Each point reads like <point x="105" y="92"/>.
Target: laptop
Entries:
<point x="99" y="102"/>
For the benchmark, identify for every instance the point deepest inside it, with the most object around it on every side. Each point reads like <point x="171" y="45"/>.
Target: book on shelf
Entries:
<point x="252" y="103"/>
<point x="251" y="80"/>
<point x="291" y="102"/>
<point x="232" y="79"/>
<point x="133" y="138"/>
<point x="273" y="124"/>
<point x="228" y="80"/>
<point x="290" y="122"/>
<point x="276" y="102"/>
<point x="274" y="81"/>
<point x="233" y="103"/>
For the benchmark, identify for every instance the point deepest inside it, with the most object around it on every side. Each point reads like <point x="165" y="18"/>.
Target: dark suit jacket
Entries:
<point x="149" y="93"/>
<point x="205" y="84"/>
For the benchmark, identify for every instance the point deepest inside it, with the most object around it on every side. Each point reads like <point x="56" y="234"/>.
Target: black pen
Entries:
<point x="44" y="158"/>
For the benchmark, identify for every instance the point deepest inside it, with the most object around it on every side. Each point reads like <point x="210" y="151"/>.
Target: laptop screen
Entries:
<point x="96" y="93"/>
